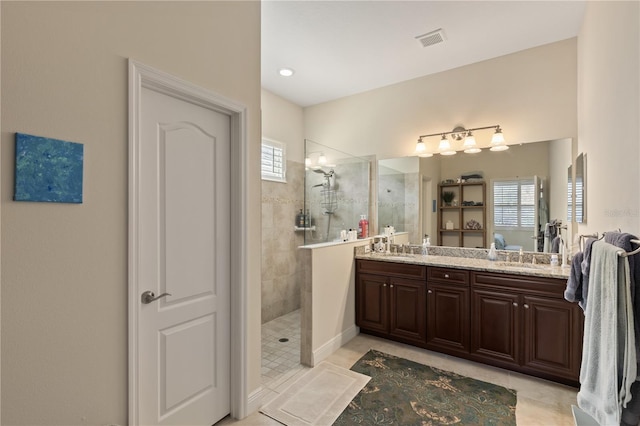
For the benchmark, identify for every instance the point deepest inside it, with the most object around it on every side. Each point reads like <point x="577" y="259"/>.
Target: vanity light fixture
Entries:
<point x="445" y="146"/>
<point x="322" y="159"/>
<point x="469" y="146"/>
<point x="497" y="141"/>
<point x="307" y="161"/>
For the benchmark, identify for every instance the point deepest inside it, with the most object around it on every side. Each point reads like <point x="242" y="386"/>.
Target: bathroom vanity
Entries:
<point x="503" y="314"/>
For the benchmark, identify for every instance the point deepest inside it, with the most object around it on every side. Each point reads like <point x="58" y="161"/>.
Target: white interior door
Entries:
<point x="183" y="249"/>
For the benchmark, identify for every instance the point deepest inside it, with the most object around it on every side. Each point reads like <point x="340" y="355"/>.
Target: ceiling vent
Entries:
<point x="434" y="37"/>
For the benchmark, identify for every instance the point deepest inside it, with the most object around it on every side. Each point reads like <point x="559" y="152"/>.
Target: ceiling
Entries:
<point x="340" y="48"/>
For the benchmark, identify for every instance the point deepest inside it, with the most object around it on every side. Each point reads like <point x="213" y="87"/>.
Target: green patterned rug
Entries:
<point x="403" y="392"/>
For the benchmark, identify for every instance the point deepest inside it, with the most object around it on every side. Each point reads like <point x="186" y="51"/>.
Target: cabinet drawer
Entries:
<point x="448" y="275"/>
<point x="553" y="287"/>
<point x="403" y="270"/>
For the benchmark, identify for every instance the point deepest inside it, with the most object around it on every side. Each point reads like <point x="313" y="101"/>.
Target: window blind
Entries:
<point x="273" y="161"/>
<point x="514" y="203"/>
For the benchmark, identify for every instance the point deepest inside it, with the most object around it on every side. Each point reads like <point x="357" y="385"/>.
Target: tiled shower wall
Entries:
<point x="399" y="203"/>
<point x="352" y="193"/>
<point x="281" y="269"/>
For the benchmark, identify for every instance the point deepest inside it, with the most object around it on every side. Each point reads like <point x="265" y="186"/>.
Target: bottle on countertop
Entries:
<point x="363" y="227"/>
<point x="426" y="243"/>
<point x="300" y="219"/>
<point x="493" y="254"/>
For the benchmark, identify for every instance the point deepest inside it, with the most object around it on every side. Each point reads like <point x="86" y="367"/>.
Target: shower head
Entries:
<point x="322" y="172"/>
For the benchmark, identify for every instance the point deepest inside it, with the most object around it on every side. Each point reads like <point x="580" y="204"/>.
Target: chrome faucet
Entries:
<point x="521" y="256"/>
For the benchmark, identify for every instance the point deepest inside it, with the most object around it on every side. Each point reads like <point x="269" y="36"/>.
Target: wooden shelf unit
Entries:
<point x="460" y="215"/>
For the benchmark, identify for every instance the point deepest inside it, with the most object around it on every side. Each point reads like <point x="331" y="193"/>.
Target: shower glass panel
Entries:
<point x="336" y="192"/>
<point x="398" y="195"/>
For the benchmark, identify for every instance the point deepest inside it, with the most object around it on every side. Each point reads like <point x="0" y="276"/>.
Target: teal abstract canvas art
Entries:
<point x="48" y="170"/>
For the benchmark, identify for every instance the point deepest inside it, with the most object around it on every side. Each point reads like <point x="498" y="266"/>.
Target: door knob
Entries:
<point x="148" y="297"/>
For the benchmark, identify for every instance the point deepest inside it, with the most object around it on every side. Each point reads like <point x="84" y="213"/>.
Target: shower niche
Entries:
<point x="336" y="192"/>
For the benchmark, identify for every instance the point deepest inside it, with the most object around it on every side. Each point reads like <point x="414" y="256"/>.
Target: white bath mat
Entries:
<point x="316" y="398"/>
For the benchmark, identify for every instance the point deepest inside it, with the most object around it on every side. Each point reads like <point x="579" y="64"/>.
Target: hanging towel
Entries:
<point x="555" y="244"/>
<point x="573" y="292"/>
<point x="608" y="358"/>
<point x="586" y="267"/>
<point x="623" y="240"/>
<point x="550" y="233"/>
<point x="631" y="414"/>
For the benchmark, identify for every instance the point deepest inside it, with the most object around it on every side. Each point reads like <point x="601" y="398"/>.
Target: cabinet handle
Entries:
<point x="391" y="286"/>
<point x="526" y="306"/>
<point x="429" y="291"/>
<point x="384" y="285"/>
<point x="515" y="304"/>
<point x="446" y="275"/>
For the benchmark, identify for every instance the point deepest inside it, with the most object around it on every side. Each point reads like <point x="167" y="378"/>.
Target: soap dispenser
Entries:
<point x="493" y="254"/>
<point x="425" y="245"/>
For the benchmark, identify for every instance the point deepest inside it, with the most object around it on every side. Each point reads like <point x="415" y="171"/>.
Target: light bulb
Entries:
<point x="444" y="144"/>
<point x="470" y="144"/>
<point x="420" y="146"/>
<point x="497" y="137"/>
<point x="307" y="161"/>
<point x="497" y="141"/>
<point x="322" y="159"/>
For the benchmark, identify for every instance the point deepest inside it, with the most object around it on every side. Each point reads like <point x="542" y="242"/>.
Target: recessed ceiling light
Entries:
<point x="286" y="72"/>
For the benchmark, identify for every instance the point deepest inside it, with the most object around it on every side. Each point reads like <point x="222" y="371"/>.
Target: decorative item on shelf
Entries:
<point x="448" y="225"/>
<point x="468" y="203"/>
<point x="479" y="203"/>
<point x="447" y="197"/>
<point x="448" y="181"/>
<point x="472" y="177"/>
<point x="473" y="224"/>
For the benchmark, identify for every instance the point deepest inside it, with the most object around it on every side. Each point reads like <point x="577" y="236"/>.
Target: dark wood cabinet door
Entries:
<point x="552" y="336"/>
<point x="448" y="318"/>
<point x="372" y="304"/>
<point x="408" y="319"/>
<point x="495" y="326"/>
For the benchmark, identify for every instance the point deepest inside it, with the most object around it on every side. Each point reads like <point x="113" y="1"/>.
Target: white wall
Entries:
<point x="609" y="114"/>
<point x="531" y="94"/>
<point x="64" y="266"/>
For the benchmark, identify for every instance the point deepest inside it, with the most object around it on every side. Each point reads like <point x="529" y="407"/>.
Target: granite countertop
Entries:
<point x="537" y="270"/>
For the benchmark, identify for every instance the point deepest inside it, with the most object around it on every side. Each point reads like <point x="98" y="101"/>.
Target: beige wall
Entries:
<point x="64" y="266"/>
<point x="283" y="121"/>
<point x="609" y="114"/>
<point x="531" y="94"/>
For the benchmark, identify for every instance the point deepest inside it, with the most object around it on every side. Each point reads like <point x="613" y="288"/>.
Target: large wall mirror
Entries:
<point x="407" y="188"/>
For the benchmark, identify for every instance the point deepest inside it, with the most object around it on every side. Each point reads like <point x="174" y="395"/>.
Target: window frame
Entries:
<point x="521" y="181"/>
<point x="272" y="176"/>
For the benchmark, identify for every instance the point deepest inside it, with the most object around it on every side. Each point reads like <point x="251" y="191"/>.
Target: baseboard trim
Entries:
<point x="254" y="402"/>
<point x="334" y="344"/>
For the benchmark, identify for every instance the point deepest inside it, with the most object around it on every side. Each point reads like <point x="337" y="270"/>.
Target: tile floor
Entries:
<point x="540" y="402"/>
<point x="280" y="360"/>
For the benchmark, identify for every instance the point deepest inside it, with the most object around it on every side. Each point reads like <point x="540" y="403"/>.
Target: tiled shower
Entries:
<point x="335" y="195"/>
